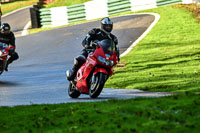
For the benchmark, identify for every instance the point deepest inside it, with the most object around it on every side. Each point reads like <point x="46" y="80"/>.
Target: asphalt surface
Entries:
<point x="17" y="20"/>
<point x="38" y="77"/>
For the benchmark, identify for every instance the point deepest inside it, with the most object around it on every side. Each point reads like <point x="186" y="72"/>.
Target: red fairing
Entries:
<point x="84" y="72"/>
<point x="93" y="66"/>
<point x="4" y="53"/>
<point x="11" y="47"/>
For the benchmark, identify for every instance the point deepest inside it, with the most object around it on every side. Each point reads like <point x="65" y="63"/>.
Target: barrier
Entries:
<point x="97" y="9"/>
<point x="118" y="6"/>
<point x="76" y="13"/>
<point x="45" y="17"/>
<point x="62" y="15"/>
<point x="137" y="5"/>
<point x="167" y="2"/>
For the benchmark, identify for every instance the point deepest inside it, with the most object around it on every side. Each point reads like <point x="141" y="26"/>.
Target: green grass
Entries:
<point x="9" y="7"/>
<point x="157" y="115"/>
<point x="167" y="59"/>
<point x="59" y="3"/>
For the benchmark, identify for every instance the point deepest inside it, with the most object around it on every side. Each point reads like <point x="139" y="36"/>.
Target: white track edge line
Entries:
<point x="25" y="30"/>
<point x="157" y="17"/>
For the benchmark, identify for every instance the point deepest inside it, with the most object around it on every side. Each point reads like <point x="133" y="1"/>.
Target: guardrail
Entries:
<point x="58" y="16"/>
<point x="76" y="13"/>
<point x="168" y="2"/>
<point x="118" y="6"/>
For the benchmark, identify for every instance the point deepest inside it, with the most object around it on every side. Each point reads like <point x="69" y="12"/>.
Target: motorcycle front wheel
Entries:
<point x="97" y="84"/>
<point x="72" y="92"/>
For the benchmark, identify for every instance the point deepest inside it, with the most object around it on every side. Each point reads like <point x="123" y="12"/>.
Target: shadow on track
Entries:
<point x="7" y="84"/>
<point x="94" y="99"/>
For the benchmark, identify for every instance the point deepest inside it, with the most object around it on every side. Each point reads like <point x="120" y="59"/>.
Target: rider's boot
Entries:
<point x="8" y="62"/>
<point x="72" y="74"/>
<point x="78" y="62"/>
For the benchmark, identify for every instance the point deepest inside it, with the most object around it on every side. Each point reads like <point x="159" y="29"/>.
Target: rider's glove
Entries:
<point x="11" y="50"/>
<point x="87" y="46"/>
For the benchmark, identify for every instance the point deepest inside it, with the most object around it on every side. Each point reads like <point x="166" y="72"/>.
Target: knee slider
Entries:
<point x="15" y="56"/>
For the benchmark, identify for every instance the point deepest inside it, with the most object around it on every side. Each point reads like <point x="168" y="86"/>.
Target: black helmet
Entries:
<point x="5" y="28"/>
<point x="106" y="24"/>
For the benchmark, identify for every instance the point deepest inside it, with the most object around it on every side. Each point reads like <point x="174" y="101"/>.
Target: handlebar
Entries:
<point x="96" y="44"/>
<point x="3" y="45"/>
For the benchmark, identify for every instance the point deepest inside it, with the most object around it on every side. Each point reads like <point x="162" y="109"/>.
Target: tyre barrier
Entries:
<point x="58" y="16"/>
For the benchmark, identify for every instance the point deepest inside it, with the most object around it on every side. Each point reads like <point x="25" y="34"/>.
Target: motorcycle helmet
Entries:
<point x="106" y="25"/>
<point x="5" y="28"/>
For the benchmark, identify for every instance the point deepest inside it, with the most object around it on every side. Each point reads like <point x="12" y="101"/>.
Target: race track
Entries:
<point x="17" y="20"/>
<point x="39" y="75"/>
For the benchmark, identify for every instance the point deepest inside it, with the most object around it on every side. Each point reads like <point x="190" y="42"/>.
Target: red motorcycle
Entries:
<point x="4" y="51"/>
<point x="93" y="74"/>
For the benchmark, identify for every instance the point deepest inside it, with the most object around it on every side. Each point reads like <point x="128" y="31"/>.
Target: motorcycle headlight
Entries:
<point x="1" y="53"/>
<point x="101" y="59"/>
<point x="104" y="61"/>
<point x="111" y="63"/>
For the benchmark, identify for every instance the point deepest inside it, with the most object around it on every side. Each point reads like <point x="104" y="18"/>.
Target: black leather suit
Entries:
<point x="98" y="34"/>
<point x="95" y="34"/>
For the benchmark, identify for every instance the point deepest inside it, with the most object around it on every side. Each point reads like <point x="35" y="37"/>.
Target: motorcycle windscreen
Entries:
<point x="3" y="46"/>
<point x="108" y="46"/>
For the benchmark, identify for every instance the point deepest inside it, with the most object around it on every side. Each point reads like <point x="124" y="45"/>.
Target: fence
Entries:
<point x="96" y="9"/>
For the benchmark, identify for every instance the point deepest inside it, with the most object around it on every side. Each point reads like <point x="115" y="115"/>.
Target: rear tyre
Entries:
<point x="97" y="84"/>
<point x="72" y="92"/>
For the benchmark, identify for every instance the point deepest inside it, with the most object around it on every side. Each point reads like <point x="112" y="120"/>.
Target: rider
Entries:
<point x="95" y="34"/>
<point x="7" y="36"/>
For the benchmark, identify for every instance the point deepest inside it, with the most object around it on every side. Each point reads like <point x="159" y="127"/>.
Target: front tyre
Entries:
<point x="97" y="84"/>
<point x="72" y="92"/>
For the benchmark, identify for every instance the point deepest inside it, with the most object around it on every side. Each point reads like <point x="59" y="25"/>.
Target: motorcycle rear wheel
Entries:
<point x="72" y="92"/>
<point x="97" y="84"/>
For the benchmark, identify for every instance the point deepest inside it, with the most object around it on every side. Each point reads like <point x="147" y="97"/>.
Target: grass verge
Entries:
<point x="167" y="59"/>
<point x="59" y="3"/>
<point x="9" y="7"/>
<point x="179" y="113"/>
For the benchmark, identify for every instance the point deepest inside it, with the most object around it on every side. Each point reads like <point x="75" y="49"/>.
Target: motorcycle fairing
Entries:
<point x="83" y="73"/>
<point x="91" y="65"/>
